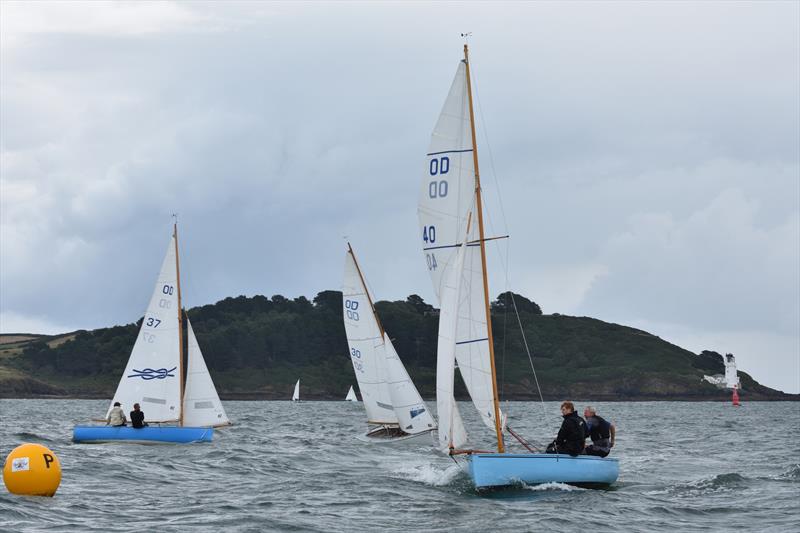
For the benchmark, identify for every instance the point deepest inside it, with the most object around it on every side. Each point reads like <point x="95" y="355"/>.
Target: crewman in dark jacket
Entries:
<point x="602" y="432"/>
<point x="572" y="434"/>
<point x="137" y="417"/>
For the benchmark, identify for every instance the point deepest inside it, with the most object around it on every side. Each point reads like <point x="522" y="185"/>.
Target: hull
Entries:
<point x="388" y="435"/>
<point x="502" y="469"/>
<point x="150" y="434"/>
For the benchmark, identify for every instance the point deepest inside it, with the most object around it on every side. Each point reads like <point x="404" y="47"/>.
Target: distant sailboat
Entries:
<point x="452" y="231"/>
<point x="153" y="376"/>
<point x="351" y="395"/>
<point x="296" y="393"/>
<point x="395" y="410"/>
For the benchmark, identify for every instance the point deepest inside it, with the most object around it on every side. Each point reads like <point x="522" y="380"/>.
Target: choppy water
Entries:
<point x="298" y="467"/>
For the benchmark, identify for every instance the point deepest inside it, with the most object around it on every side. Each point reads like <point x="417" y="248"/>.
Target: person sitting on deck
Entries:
<point x="601" y="431"/>
<point x="116" y="417"/>
<point x="572" y="435"/>
<point x="137" y="417"/>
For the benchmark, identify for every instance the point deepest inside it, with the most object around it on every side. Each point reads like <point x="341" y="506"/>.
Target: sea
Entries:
<point x="287" y="466"/>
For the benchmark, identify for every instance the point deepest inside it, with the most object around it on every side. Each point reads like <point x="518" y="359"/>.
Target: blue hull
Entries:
<point x="501" y="469"/>
<point x="182" y="435"/>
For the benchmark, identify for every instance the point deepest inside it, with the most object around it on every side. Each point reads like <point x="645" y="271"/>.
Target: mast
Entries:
<point x="479" y="207"/>
<point x="180" y="322"/>
<point x="366" y="290"/>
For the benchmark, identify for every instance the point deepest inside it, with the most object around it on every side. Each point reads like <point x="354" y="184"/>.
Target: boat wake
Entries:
<point x="552" y="486"/>
<point x="429" y="474"/>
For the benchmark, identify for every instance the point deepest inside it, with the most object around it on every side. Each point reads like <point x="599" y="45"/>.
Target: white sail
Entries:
<point x="451" y="428"/>
<point x="351" y="395"/>
<point x="201" y="404"/>
<point x="447" y="210"/>
<point x="152" y="376"/>
<point x="367" y="347"/>
<point x="412" y="413"/>
<point x="296" y="393"/>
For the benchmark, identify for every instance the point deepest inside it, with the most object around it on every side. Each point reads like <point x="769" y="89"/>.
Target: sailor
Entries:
<point x="116" y="417"/>
<point x="601" y="431"/>
<point x="137" y="417"/>
<point x="572" y="435"/>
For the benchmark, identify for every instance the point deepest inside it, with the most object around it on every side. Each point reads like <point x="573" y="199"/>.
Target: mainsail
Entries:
<point x="152" y="376"/>
<point x="351" y="395"/>
<point x="201" y="404"/>
<point x="367" y="347"/>
<point x="296" y="393"/>
<point x="448" y="213"/>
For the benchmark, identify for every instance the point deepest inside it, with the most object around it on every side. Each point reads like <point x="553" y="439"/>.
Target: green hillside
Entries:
<point x="257" y="347"/>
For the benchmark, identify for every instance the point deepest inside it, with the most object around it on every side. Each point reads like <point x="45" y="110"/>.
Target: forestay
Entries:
<point x="367" y="348"/>
<point x="201" y="404"/>
<point x="152" y="375"/>
<point x="446" y="216"/>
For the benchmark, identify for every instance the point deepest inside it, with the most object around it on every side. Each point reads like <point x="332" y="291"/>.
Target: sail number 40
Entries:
<point x="438" y="166"/>
<point x="429" y="234"/>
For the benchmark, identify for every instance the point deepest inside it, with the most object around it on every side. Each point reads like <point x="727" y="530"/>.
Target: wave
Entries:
<point x="33" y="437"/>
<point x="792" y="474"/>
<point x="720" y="482"/>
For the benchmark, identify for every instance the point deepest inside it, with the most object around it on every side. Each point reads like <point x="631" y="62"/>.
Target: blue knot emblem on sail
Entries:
<point x="416" y="412"/>
<point x="148" y="373"/>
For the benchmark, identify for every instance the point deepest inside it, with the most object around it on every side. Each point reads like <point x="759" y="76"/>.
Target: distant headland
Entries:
<point x="257" y="347"/>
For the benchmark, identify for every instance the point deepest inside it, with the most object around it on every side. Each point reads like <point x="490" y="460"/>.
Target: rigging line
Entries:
<point x="530" y="357"/>
<point x="505" y="263"/>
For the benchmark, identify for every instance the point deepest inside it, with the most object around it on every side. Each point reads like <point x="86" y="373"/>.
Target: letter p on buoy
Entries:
<point x="32" y="470"/>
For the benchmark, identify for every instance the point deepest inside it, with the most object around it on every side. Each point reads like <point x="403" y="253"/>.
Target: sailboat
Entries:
<point x="296" y="393"/>
<point x="454" y="245"/>
<point x="351" y="395"/>
<point x="395" y="410"/>
<point x="176" y="411"/>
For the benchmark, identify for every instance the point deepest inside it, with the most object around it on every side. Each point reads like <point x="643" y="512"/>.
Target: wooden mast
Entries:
<point x="180" y="321"/>
<point x="479" y="207"/>
<point x="366" y="290"/>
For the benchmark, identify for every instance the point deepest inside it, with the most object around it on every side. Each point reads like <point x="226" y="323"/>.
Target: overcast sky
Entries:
<point x="647" y="156"/>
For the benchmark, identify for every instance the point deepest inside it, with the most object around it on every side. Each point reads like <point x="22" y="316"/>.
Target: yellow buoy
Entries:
<point x="32" y="470"/>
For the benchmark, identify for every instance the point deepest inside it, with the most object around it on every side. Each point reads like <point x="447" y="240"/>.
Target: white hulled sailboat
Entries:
<point x="395" y="409"/>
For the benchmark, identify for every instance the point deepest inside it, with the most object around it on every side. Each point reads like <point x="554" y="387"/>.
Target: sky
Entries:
<point x="644" y="157"/>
